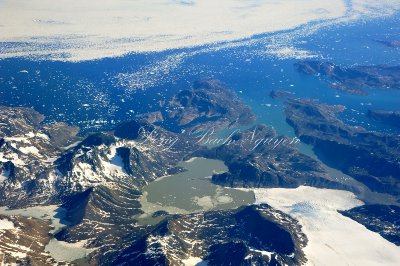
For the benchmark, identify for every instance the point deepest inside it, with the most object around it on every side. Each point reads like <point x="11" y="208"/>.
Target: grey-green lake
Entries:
<point x="191" y="191"/>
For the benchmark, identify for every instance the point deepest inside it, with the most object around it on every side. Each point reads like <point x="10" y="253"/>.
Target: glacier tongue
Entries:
<point x="331" y="235"/>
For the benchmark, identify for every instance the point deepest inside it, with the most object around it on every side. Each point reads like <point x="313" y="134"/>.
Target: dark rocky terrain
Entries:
<point x="209" y="103"/>
<point x="25" y="245"/>
<point x="109" y="170"/>
<point x="28" y="150"/>
<point x="98" y="178"/>
<point x="392" y="44"/>
<point x="370" y="157"/>
<point x="353" y="80"/>
<point x="280" y="94"/>
<point x="383" y="219"/>
<point x="391" y="118"/>
<point x="222" y="238"/>
<point x="258" y="157"/>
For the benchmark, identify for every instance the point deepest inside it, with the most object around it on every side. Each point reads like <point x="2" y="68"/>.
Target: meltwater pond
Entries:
<point x="59" y="250"/>
<point x="191" y="191"/>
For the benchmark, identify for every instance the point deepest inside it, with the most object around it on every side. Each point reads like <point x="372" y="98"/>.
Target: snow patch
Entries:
<point x="6" y="224"/>
<point x="194" y="261"/>
<point x="263" y="252"/>
<point x="4" y="175"/>
<point x="30" y="150"/>
<point x="13" y="157"/>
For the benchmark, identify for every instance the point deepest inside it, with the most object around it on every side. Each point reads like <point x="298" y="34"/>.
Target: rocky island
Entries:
<point x="391" y="118"/>
<point x="391" y="44"/>
<point x="353" y="80"/>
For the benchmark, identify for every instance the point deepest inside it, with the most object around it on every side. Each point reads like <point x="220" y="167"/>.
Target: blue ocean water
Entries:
<point x="101" y="93"/>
